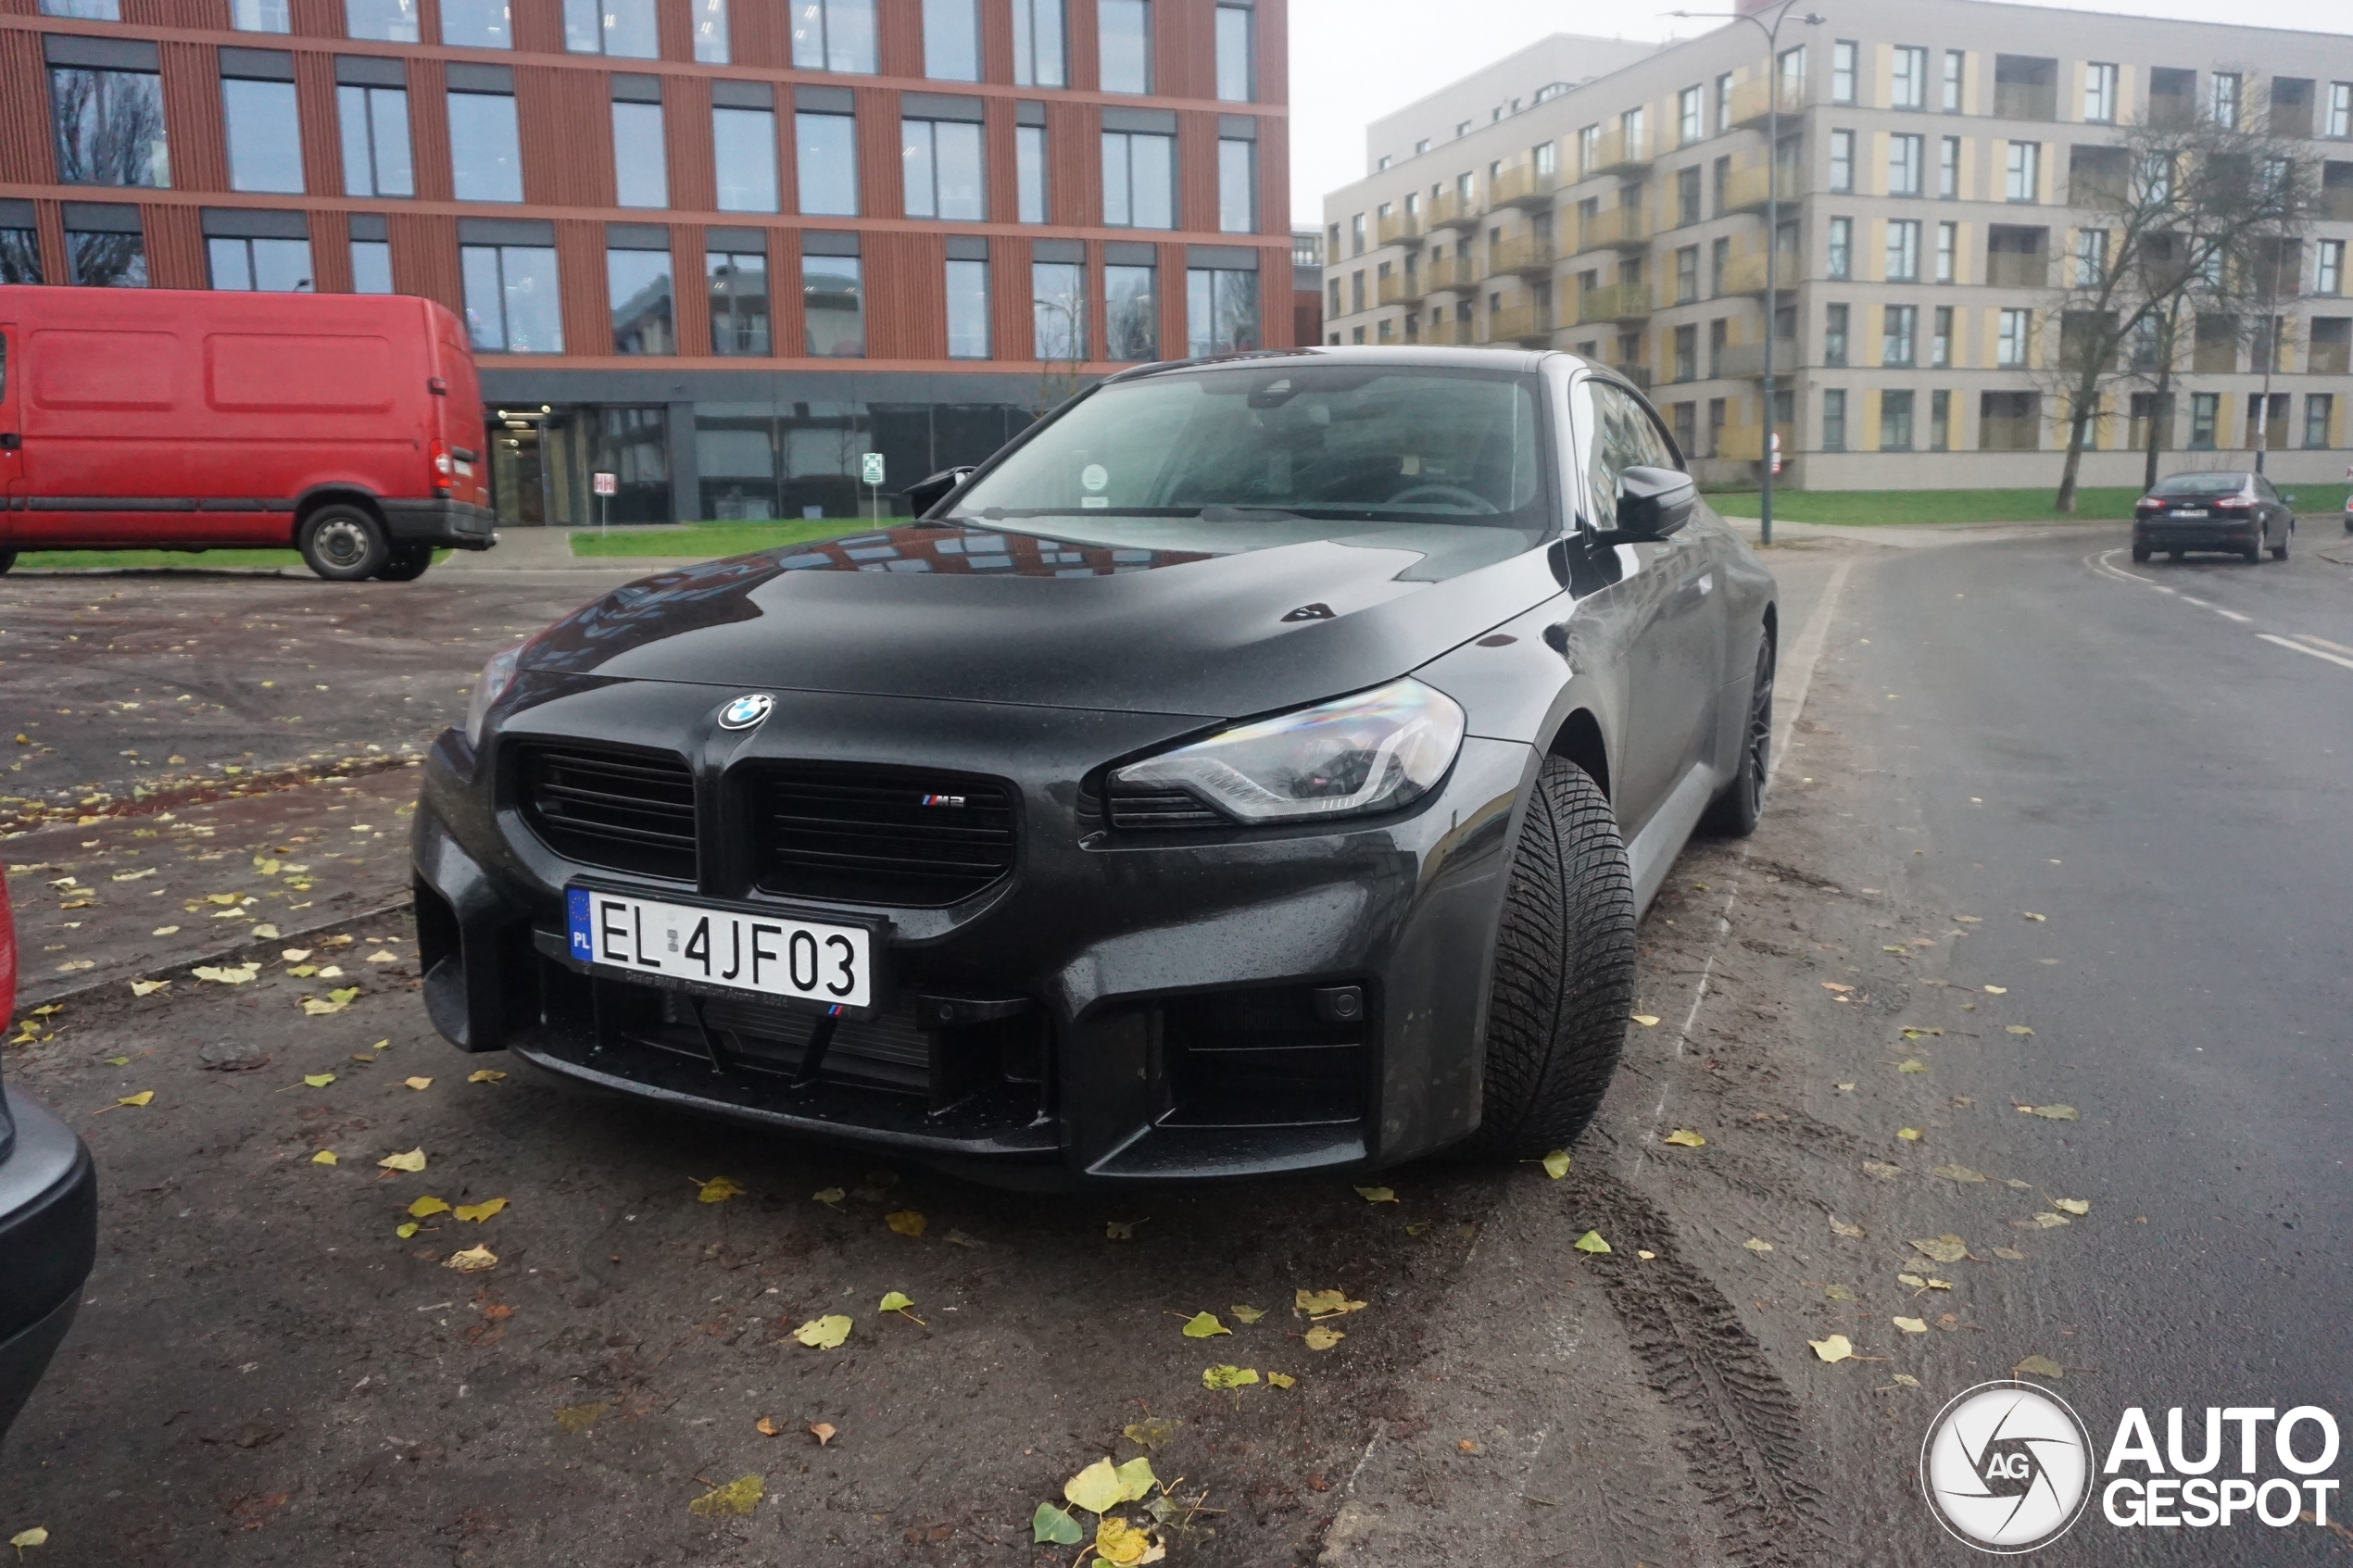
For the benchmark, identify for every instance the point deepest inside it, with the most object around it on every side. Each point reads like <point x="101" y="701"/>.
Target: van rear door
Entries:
<point x="12" y="482"/>
<point x="460" y="414"/>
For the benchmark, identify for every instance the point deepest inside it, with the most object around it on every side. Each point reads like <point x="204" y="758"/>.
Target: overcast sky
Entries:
<point x="1354" y="60"/>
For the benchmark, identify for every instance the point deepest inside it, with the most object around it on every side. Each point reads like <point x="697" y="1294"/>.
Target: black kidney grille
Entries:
<point x="1135" y="807"/>
<point x="627" y="810"/>
<point x="880" y="835"/>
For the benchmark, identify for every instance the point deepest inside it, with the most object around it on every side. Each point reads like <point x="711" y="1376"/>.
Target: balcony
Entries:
<point x="1405" y="290"/>
<point x="1613" y="152"/>
<point x="1614" y="228"/>
<point x="1522" y="185"/>
<point x="2018" y="269"/>
<point x="1449" y="209"/>
<point x="1527" y="255"/>
<point x="1614" y="302"/>
<point x="1746" y="275"/>
<point x="1453" y="274"/>
<point x="1530" y="324"/>
<point x="1397" y="227"/>
<point x="2334" y="203"/>
<point x="1753" y="100"/>
<point x="1451" y="333"/>
<point x="1745" y="362"/>
<point x="1740" y="444"/>
<point x="1748" y="190"/>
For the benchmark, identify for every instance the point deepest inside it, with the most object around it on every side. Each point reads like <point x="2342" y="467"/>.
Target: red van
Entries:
<point x="349" y="426"/>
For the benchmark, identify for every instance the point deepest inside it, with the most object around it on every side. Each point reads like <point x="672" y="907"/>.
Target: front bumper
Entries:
<point x="48" y="1241"/>
<point x="457" y="524"/>
<point x="1119" y="1007"/>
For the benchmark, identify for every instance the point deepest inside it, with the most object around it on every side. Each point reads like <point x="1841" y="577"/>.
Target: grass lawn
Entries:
<point x="129" y="560"/>
<point x="710" y="540"/>
<point x="1970" y="506"/>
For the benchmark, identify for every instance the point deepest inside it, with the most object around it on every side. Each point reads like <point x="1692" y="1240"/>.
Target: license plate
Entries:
<point x="767" y="953"/>
<point x="465" y="470"/>
<point x="2186" y="514"/>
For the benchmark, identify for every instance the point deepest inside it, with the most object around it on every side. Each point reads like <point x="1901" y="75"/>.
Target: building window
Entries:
<point x="1949" y="169"/>
<point x="511" y="302"/>
<point x="1356" y="233"/>
<point x="1058" y="310"/>
<point x="1834" y="421"/>
<point x="834" y="35"/>
<point x="1140" y="182"/>
<point x="2099" y="94"/>
<point x="952" y="40"/>
<point x="1029" y="169"/>
<point x="832" y="307"/>
<point x="2205" y="413"/>
<point x="620" y="28"/>
<point x="1038" y="44"/>
<point x="1794" y="76"/>
<point x="1896" y="325"/>
<point x="1690" y="116"/>
<point x="2225" y="101"/>
<point x="967" y="309"/>
<point x="941" y="163"/>
<point x="1687" y="195"/>
<point x="374" y="121"/>
<point x="710" y="19"/>
<point x="1907" y="81"/>
<point x="640" y="169"/>
<point x="264" y="134"/>
<point x="1720" y="257"/>
<point x="1125" y="34"/>
<point x="1686" y="275"/>
<point x="1894" y="421"/>
<point x="470" y="24"/>
<point x="384" y="22"/>
<point x="257" y="16"/>
<point x="1131" y="314"/>
<point x="371" y="267"/>
<point x="1834" y="335"/>
<point x="1940" y="342"/>
<point x="827" y="165"/>
<point x="1903" y="158"/>
<point x="1724" y="103"/>
<point x="736" y="281"/>
<point x="1904" y="251"/>
<point x="259" y="265"/>
<point x="1842" y="160"/>
<point x="1236" y="186"/>
<point x="1947" y="245"/>
<point x="1839" y="261"/>
<point x="486" y="156"/>
<point x="1956" y="63"/>
<point x="105" y="251"/>
<point x="2010" y="343"/>
<point x="1356" y="292"/>
<point x="2320" y="412"/>
<point x="2022" y="180"/>
<point x="1221" y="310"/>
<point x="2327" y="272"/>
<point x="1842" y="57"/>
<point x="1687" y="353"/>
<point x="2341" y="109"/>
<point x="2091" y="257"/>
<point x="1237" y="54"/>
<point x="110" y="127"/>
<point x="639" y="289"/>
<point x="1940" y="422"/>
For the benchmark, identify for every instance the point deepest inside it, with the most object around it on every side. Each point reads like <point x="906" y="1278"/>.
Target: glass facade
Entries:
<point x="260" y="16"/>
<point x="1030" y="165"/>
<point x="1236" y="186"/>
<point x="477" y="24"/>
<point x="371" y="267"/>
<point x="107" y="258"/>
<point x="265" y="136"/>
<point x="967" y="309"/>
<point x="942" y="168"/>
<point x="83" y="10"/>
<point x="1039" y="50"/>
<point x="1058" y="309"/>
<point x="737" y="282"/>
<point x="637" y="286"/>
<point x="621" y="28"/>
<point x="834" y="35"/>
<point x="259" y="265"/>
<point x="511" y="303"/>
<point x="640" y="168"/>
<point x="952" y="40"/>
<point x="1139" y="181"/>
<point x="1124" y="33"/>
<point x="110" y="127"/>
<point x="762" y="458"/>
<point x="1131" y="314"/>
<point x="710" y="18"/>
<point x="744" y="143"/>
<point x="1237" y="75"/>
<point x="20" y="255"/>
<point x="827" y="145"/>
<point x="833" y="305"/>
<point x="374" y="121"/>
<point x="384" y="21"/>
<point x="485" y="154"/>
<point x="1221" y="310"/>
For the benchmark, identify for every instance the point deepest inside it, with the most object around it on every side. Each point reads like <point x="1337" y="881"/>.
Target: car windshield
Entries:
<point x="1272" y="440"/>
<point x="2200" y="484"/>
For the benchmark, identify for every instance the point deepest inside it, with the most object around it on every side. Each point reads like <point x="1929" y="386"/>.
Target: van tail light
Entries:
<point x="445" y="467"/>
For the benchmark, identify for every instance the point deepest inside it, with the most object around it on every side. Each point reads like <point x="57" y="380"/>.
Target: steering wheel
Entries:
<point x="1469" y="499"/>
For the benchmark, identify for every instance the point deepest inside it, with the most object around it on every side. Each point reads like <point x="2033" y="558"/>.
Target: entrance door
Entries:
<point x="518" y="474"/>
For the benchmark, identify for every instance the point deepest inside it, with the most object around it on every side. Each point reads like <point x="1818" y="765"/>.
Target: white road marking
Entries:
<point x="2316" y="653"/>
<point x="2324" y="643"/>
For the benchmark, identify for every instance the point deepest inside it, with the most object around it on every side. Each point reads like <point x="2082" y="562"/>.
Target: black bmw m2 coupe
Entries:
<point x="1259" y="765"/>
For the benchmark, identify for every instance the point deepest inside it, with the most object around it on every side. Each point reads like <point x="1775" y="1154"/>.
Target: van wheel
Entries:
<point x="406" y="563"/>
<point x="7" y="559"/>
<point x="1564" y="972"/>
<point x="343" y="544"/>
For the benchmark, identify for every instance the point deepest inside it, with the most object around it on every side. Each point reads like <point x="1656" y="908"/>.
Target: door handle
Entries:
<point x="10" y="440"/>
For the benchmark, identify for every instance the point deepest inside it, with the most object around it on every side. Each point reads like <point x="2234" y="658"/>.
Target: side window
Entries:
<point x="1624" y="437"/>
<point x="2263" y="488"/>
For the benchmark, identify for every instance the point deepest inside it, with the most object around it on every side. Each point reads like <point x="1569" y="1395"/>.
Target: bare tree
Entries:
<point x="2174" y="218"/>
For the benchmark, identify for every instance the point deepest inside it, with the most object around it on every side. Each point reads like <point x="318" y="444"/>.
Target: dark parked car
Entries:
<point x="2237" y="514"/>
<point x="48" y="1219"/>
<point x="1258" y="765"/>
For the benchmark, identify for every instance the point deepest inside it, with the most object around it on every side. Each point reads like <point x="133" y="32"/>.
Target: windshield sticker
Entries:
<point x="1094" y="476"/>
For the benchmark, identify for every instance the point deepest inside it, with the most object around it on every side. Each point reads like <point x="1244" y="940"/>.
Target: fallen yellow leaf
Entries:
<point x="1248" y="1314"/>
<point x="1911" y="1325"/>
<point x="1321" y="1338"/>
<point x="767" y="1427"/>
<point x="226" y="976"/>
<point x="142" y="1098"/>
<point x="1839" y="1227"/>
<point x="1911" y="1064"/>
<point x="405" y="1229"/>
<point x="1683" y="1137"/>
<point x="823" y="1431"/>
<point x="1647" y="1021"/>
<point x="1120" y="1544"/>
<point x="2054" y="1112"/>
<point x="1281" y="1379"/>
<point x="1325" y="1303"/>
<point x="719" y="1189"/>
<point x="1229" y="1377"/>
<point x="832" y="1196"/>
<point x="473" y="1260"/>
<point x="735" y="1497"/>
<point x="1098" y="1488"/>
<point x="2071" y="1205"/>
<point x="36" y="1536"/>
<point x="478" y="1213"/>
<point x="1943" y="1249"/>
<point x="413" y="1162"/>
<point x="1557" y="1163"/>
<point x="1909" y="1135"/>
<point x="824" y="1333"/>
<point x="1377" y="1195"/>
<point x="1592" y="1242"/>
<point x="148" y="987"/>
<point x="265" y="934"/>
<point x="577" y="1418"/>
<point x="325" y="1157"/>
<point x="1204" y="1325"/>
<point x="1837" y="1347"/>
<point x="1956" y="1174"/>
<point x="2050" y="1221"/>
<point x="419" y="1084"/>
<point x="2039" y="1366"/>
<point x="2017" y="1029"/>
<point x="906" y="1222"/>
<point x="1753" y="1245"/>
<point x="485" y="1076"/>
<point x="425" y="1208"/>
<point x="1998" y="990"/>
<point x="313" y="1008"/>
<point x="318" y="1080"/>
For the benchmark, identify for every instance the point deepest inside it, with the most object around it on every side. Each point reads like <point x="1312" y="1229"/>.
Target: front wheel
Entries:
<point x="1556" y="1012"/>
<point x="406" y="563"/>
<point x="2254" y="553"/>
<point x="2279" y="551"/>
<point x="343" y="544"/>
<point x="7" y="559"/>
<point x="1734" y="813"/>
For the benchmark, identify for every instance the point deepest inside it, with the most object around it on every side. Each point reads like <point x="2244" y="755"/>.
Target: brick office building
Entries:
<point x="978" y="203"/>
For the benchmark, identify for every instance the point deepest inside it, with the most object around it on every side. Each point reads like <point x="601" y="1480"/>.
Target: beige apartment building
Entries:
<point x="1610" y="199"/>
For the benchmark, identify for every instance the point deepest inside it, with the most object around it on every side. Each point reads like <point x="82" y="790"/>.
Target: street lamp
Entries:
<point x="1772" y="32"/>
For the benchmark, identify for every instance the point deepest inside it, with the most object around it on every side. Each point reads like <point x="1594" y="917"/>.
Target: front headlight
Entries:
<point x="496" y="676"/>
<point x="1374" y="751"/>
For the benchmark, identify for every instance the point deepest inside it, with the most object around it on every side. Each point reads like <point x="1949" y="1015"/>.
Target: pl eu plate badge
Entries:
<point x="576" y="916"/>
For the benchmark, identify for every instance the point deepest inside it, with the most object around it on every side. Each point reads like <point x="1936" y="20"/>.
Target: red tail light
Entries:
<point x="2233" y="504"/>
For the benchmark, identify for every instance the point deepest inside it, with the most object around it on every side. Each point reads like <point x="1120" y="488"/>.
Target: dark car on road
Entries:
<point x="2237" y="514"/>
<point x="48" y="1219"/>
<point x="1258" y="765"/>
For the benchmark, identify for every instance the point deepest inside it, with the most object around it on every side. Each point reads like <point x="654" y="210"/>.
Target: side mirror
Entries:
<point x="925" y="494"/>
<point x="2289" y="498"/>
<point x="1654" y="503"/>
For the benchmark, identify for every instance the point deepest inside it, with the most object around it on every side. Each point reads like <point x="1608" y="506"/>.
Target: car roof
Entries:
<point x="1406" y="355"/>
<point x="2241" y="475"/>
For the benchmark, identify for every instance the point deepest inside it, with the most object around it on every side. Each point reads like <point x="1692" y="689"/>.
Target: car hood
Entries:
<point x="1119" y="614"/>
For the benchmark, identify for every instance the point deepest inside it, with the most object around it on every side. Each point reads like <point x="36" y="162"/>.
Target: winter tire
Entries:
<point x="343" y="544"/>
<point x="406" y="563"/>
<point x="1734" y="813"/>
<point x="1564" y="983"/>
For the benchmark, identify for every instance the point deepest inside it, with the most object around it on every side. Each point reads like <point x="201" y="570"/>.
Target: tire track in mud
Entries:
<point x="1745" y="1441"/>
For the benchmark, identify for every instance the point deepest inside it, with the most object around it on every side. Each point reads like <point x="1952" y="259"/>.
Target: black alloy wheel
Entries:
<point x="1564" y="985"/>
<point x="343" y="544"/>
<point x="1734" y="814"/>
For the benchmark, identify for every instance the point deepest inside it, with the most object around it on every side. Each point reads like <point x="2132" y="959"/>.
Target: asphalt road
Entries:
<point x="265" y="1372"/>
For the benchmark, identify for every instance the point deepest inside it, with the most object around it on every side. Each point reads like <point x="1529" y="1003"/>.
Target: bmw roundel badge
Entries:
<point x="746" y="711"/>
